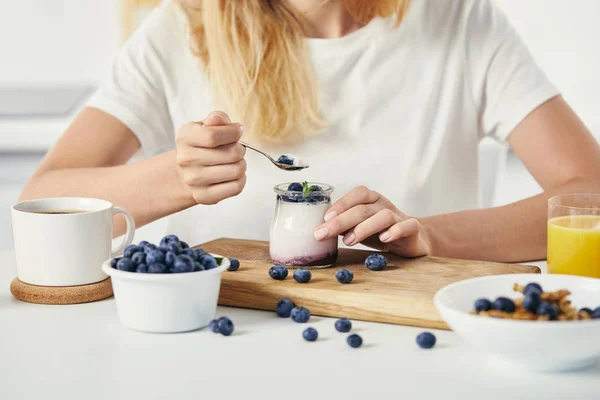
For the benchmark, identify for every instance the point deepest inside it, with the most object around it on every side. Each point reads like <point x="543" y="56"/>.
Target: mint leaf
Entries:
<point x="219" y="260"/>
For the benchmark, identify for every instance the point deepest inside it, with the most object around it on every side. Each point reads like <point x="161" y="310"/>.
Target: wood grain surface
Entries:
<point x="400" y="294"/>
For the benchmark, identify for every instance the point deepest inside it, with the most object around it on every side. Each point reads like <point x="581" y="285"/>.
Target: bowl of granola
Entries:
<point x="540" y="322"/>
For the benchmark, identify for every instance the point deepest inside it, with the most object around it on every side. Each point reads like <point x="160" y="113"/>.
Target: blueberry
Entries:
<point x="278" y="272"/>
<point x="131" y="250"/>
<point x="310" y="334"/>
<point x="114" y="261"/>
<point x="199" y="252"/>
<point x="125" y="264"/>
<point x="376" y="262"/>
<point x="155" y="257"/>
<point x="164" y="249"/>
<point x="482" y="305"/>
<point x="596" y="313"/>
<point x="157" y="269"/>
<point x="295" y="187"/>
<point x="344" y="276"/>
<point x="547" y="309"/>
<point x="170" y="258"/>
<point x="168" y="239"/>
<point x="504" y="304"/>
<point x="300" y="314"/>
<point x="532" y="301"/>
<point x="587" y="310"/>
<point x="225" y="326"/>
<point x="343" y="325"/>
<point x="284" y="307"/>
<point x="214" y="325"/>
<point x="183" y="263"/>
<point x="150" y="247"/>
<point x="208" y="261"/>
<point x="190" y="253"/>
<point x="532" y="286"/>
<point x="315" y="188"/>
<point x="139" y="257"/>
<point x="285" y="160"/>
<point x="198" y="267"/>
<point x="354" y="340"/>
<point x="143" y="244"/>
<point x="142" y="269"/>
<point x="175" y="247"/>
<point x="234" y="264"/>
<point x="184" y="245"/>
<point x="302" y="275"/>
<point x="426" y="340"/>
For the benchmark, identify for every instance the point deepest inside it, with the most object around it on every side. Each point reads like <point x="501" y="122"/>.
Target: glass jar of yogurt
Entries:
<point x="297" y="215"/>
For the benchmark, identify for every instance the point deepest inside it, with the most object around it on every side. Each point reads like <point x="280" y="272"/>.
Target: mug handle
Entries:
<point x="130" y="230"/>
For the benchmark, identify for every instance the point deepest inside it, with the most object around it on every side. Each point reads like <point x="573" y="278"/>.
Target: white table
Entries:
<point x="83" y="352"/>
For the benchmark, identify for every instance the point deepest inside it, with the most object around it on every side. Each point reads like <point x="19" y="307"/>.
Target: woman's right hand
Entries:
<point x="210" y="160"/>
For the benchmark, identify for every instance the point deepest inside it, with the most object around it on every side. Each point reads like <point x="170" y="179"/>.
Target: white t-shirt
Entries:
<point x="406" y="108"/>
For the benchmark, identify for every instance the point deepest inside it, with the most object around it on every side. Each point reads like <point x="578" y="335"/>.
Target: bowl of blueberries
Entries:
<point x="166" y="288"/>
<point x="537" y="322"/>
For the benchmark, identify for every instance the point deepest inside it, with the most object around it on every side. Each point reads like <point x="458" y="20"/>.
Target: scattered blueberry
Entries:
<point x="208" y="261"/>
<point x="344" y="276"/>
<point x="426" y="340"/>
<point x="184" y="245"/>
<point x="504" y="304"/>
<point x="596" y="313"/>
<point x="532" y="300"/>
<point x="234" y="264"/>
<point x="343" y="325"/>
<point x="183" y="263"/>
<point x="285" y="160"/>
<point x="114" y="261"/>
<point x="284" y="307"/>
<point x="168" y="239"/>
<point x="295" y="187"/>
<point x="157" y="269"/>
<point x="547" y="309"/>
<point x="532" y="286"/>
<point x="482" y="305"/>
<point x="587" y="310"/>
<point x="125" y="264"/>
<point x="300" y="314"/>
<point x="170" y="258"/>
<point x="376" y="262"/>
<point x="143" y="244"/>
<point x="139" y="257"/>
<point x="149" y="248"/>
<point x="225" y="326"/>
<point x="310" y="334"/>
<point x="131" y="250"/>
<point x="214" y="325"/>
<point x="278" y="272"/>
<point x="175" y="247"/>
<point x="354" y="340"/>
<point x="155" y="257"/>
<point x="302" y="275"/>
<point x="142" y="269"/>
<point x="190" y="253"/>
<point x="198" y="267"/>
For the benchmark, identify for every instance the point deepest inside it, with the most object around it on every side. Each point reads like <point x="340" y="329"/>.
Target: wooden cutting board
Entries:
<point x="400" y="294"/>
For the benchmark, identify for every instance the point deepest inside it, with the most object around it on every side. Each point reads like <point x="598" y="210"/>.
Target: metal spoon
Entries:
<point x="277" y="164"/>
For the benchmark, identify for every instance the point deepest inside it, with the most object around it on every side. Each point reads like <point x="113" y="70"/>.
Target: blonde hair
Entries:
<point x="254" y="55"/>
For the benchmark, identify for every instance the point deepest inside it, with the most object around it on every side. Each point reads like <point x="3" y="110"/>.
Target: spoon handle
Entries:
<point x="248" y="146"/>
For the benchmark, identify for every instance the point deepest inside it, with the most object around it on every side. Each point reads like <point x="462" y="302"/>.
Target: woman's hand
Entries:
<point x="210" y="161"/>
<point x="365" y="216"/>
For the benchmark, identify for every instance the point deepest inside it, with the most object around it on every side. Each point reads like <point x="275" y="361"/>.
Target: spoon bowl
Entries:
<point x="285" y="167"/>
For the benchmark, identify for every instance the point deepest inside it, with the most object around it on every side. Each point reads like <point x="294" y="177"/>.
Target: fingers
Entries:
<point x="345" y="221"/>
<point x="380" y="221"/>
<point x="400" y="230"/>
<point x="216" y="118"/>
<point x="196" y="135"/>
<point x="215" y="193"/>
<point x="358" y="195"/>
<point x="205" y="176"/>
<point x="227" y="154"/>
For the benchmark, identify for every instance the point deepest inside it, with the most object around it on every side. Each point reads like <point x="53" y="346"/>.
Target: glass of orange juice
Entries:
<point x="574" y="234"/>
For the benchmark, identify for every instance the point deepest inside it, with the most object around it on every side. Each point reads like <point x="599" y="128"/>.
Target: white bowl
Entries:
<point x="166" y="303"/>
<point x="540" y="346"/>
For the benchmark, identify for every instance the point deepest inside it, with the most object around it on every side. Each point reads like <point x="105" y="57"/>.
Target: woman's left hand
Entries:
<point x="365" y="216"/>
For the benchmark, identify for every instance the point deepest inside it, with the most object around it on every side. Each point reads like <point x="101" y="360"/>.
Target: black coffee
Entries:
<point x="61" y="212"/>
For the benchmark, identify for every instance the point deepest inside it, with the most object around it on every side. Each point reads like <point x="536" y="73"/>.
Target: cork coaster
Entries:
<point x="61" y="294"/>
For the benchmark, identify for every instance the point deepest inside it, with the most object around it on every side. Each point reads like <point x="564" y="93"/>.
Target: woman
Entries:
<point x="386" y="99"/>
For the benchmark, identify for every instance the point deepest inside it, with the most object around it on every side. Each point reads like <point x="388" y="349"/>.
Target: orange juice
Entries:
<point x="574" y="245"/>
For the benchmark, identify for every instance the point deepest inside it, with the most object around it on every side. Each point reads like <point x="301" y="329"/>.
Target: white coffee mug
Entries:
<point x="64" y="241"/>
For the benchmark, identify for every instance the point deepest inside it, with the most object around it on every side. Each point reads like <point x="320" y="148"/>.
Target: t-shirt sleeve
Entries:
<point x="507" y="83"/>
<point x="134" y="91"/>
